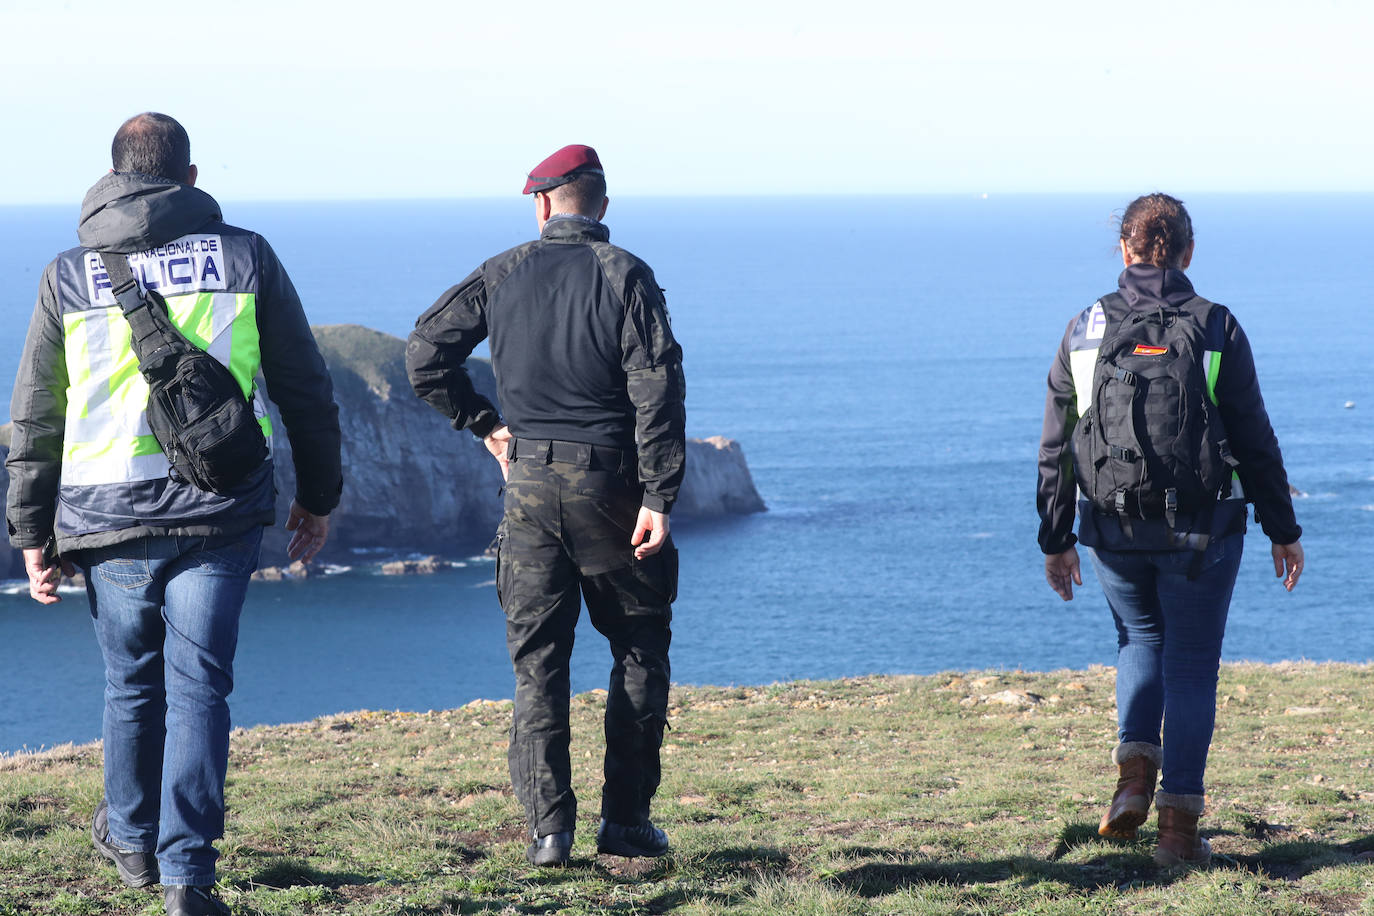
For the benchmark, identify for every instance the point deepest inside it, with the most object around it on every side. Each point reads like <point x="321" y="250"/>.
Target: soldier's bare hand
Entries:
<point x="655" y="525"/>
<point x="495" y="442"/>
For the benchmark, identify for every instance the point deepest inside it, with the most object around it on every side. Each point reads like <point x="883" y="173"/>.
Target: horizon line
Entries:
<point x="757" y="195"/>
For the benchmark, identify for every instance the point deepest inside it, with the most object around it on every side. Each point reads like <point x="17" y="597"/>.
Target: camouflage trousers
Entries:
<point x="567" y="531"/>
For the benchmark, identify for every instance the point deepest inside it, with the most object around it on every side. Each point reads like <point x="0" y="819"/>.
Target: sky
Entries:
<point x="413" y="99"/>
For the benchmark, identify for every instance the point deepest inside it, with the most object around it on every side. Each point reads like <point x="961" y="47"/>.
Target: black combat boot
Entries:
<point x="550" y="849"/>
<point x="184" y="900"/>
<point x="641" y="840"/>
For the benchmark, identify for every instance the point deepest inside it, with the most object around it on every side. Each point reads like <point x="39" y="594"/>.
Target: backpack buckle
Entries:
<point x="1224" y="447"/>
<point x="1171" y="506"/>
<point x="1122" y="515"/>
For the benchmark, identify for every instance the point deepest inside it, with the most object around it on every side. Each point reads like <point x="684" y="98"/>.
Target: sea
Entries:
<point x="882" y="362"/>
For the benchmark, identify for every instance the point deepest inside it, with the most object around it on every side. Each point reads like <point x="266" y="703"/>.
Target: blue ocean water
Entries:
<point x="882" y="361"/>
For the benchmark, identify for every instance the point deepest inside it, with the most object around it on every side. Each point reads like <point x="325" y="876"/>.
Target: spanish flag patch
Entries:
<point x="1144" y="350"/>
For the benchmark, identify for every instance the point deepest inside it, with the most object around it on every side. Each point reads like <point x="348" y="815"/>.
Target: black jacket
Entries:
<point x="581" y="348"/>
<point x="130" y="212"/>
<point x="1239" y="404"/>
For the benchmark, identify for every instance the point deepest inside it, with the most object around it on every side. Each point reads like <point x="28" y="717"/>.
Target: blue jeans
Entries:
<point x="166" y="612"/>
<point x="1169" y="633"/>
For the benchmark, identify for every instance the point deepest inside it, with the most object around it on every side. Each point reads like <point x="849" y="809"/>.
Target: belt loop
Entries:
<point x="512" y="450"/>
<point x="543" y="450"/>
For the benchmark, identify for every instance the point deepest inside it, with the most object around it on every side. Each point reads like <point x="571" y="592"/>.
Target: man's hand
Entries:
<point x="495" y="442"/>
<point x="311" y="531"/>
<point x="655" y="525"/>
<point x="43" y="578"/>
<point x="1288" y="558"/>
<point x="1061" y="571"/>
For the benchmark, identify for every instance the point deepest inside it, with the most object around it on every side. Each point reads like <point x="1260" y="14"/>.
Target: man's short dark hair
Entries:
<point x="153" y="144"/>
<point x="583" y="194"/>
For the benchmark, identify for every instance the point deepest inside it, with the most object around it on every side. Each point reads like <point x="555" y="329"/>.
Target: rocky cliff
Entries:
<point x="718" y="481"/>
<point x="412" y="483"/>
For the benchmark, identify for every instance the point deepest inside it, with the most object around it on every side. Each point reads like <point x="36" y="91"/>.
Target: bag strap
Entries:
<point x="1114" y="309"/>
<point x="155" y="338"/>
<point x="122" y="283"/>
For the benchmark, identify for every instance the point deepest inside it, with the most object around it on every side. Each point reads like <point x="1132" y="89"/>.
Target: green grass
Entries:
<point x="958" y="793"/>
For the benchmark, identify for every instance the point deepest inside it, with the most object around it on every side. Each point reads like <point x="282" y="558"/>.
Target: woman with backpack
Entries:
<point x="1154" y="416"/>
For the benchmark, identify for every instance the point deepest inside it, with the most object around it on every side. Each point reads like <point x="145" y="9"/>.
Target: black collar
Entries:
<point x="573" y="227"/>
<point x="1145" y="284"/>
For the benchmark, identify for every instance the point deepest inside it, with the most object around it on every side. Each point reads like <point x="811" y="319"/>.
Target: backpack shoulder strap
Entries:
<point x="1200" y="308"/>
<point x="1209" y="314"/>
<point x="1113" y="300"/>
<point x="1114" y="312"/>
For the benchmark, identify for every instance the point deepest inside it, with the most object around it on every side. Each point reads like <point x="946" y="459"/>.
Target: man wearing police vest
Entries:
<point x="166" y="564"/>
<point x="590" y="381"/>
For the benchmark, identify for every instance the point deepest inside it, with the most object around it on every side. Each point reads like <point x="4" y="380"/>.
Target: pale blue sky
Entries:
<point x="409" y="98"/>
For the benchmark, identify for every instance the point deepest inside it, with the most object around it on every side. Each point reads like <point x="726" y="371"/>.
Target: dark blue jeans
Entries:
<point x="1169" y="632"/>
<point x="166" y="613"/>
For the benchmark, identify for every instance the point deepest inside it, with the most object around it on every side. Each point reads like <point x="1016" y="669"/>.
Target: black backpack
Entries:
<point x="1151" y="444"/>
<point x="196" y="409"/>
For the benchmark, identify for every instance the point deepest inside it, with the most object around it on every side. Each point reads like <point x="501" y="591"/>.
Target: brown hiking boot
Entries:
<point x="1179" y="842"/>
<point x="1137" y="766"/>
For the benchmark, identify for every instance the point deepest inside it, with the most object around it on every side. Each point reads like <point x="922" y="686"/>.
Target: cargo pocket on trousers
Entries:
<point x="658" y="574"/>
<point x="502" y="590"/>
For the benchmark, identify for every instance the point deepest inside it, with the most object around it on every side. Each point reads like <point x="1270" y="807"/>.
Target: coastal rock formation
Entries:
<point x="414" y="484"/>
<point x="411" y="482"/>
<point x="296" y="570"/>
<point x="718" y="481"/>
<point x="425" y="566"/>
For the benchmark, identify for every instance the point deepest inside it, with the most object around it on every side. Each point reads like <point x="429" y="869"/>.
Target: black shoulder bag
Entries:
<point x="196" y="409"/>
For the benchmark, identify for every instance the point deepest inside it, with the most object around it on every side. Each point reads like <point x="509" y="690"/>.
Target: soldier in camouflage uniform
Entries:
<point x="590" y="380"/>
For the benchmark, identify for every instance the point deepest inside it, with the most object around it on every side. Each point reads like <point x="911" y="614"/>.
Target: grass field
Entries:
<point x="957" y="793"/>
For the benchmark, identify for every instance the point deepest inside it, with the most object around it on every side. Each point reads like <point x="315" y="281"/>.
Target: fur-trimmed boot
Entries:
<point x="1137" y="766"/>
<point x="1179" y="842"/>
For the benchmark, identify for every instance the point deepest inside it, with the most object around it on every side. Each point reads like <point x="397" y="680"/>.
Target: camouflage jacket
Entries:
<point x="581" y="348"/>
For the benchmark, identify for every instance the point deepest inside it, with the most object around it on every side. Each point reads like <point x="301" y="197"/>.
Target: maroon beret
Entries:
<point x="562" y="167"/>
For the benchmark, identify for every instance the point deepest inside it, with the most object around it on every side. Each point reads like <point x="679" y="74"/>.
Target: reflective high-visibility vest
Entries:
<point x="107" y="439"/>
<point x="209" y="283"/>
